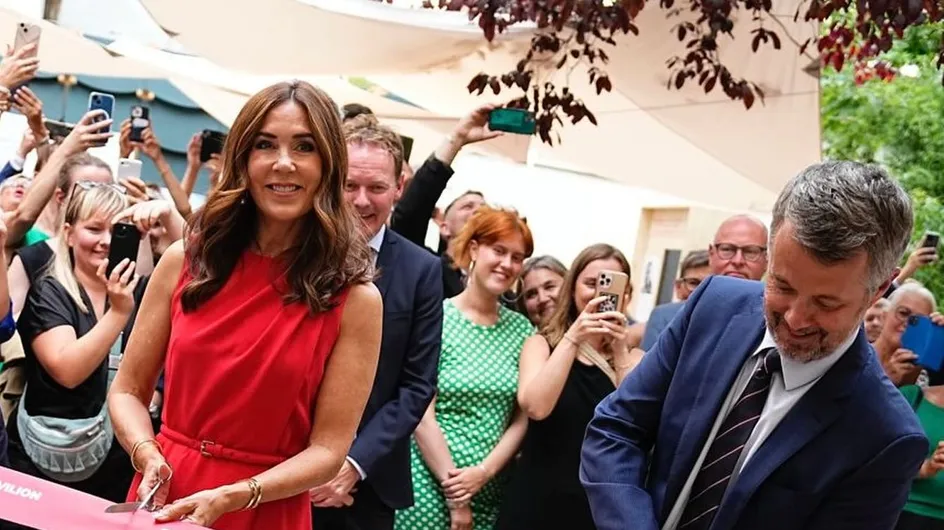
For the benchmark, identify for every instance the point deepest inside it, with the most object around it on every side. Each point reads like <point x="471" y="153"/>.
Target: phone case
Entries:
<point x="611" y="284"/>
<point x="125" y="239"/>
<point x="102" y="101"/>
<point x="140" y="120"/>
<point x="212" y="144"/>
<point x="926" y="340"/>
<point x="129" y="168"/>
<point x="516" y="121"/>
<point x="27" y="33"/>
<point x="930" y="240"/>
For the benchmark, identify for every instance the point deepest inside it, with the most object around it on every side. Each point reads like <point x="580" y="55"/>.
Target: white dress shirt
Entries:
<point x="786" y="389"/>
<point x="374" y="244"/>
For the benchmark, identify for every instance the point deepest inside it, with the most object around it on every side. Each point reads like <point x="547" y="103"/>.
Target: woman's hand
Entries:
<point x="464" y="483"/>
<point x="590" y="324"/>
<point x="87" y="133"/>
<point x="17" y="68"/>
<point x="150" y="145"/>
<point x="193" y="151"/>
<point x="156" y="470"/>
<point x="27" y="104"/>
<point x="120" y="285"/>
<point x="901" y="368"/>
<point x="934" y="463"/>
<point x="124" y="139"/>
<point x="205" y="507"/>
<point x="460" y="517"/>
<point x="146" y="216"/>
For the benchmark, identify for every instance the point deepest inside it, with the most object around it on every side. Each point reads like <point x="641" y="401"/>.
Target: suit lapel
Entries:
<point x="740" y="338"/>
<point x="385" y="261"/>
<point x="815" y="411"/>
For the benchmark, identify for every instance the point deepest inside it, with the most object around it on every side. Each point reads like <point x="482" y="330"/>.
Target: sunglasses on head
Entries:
<point x="87" y="185"/>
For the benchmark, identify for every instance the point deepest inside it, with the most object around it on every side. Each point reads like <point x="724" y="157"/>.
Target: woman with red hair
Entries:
<point x="473" y="427"/>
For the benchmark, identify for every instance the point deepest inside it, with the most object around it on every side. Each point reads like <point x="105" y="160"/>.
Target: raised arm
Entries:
<point x="614" y="458"/>
<point x="348" y="378"/>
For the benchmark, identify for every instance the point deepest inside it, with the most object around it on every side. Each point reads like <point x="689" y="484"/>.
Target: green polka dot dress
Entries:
<point x="476" y="395"/>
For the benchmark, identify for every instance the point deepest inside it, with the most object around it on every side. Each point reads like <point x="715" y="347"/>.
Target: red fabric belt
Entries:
<point x="210" y="449"/>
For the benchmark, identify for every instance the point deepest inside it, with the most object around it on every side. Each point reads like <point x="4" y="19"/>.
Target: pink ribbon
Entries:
<point x="34" y="502"/>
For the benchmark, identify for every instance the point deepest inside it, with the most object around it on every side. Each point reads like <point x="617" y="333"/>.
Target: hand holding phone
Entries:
<point x="140" y="121"/>
<point x="211" y="144"/>
<point x="125" y="239"/>
<point x="517" y="121"/>
<point x="925" y="338"/>
<point x="106" y="103"/>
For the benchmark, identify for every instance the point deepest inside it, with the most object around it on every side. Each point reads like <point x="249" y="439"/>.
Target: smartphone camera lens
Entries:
<point x="913" y="320"/>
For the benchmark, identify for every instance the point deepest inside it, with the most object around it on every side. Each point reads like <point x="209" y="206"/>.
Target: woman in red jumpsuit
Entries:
<point x="267" y="327"/>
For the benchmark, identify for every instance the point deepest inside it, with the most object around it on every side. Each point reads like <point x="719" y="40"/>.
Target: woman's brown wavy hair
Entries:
<point x="331" y="252"/>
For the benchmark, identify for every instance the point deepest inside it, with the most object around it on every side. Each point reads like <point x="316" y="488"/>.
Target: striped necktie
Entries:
<point x="725" y="452"/>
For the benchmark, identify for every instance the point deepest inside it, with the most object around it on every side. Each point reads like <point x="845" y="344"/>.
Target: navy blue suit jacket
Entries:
<point x="842" y="458"/>
<point x="659" y="319"/>
<point x="410" y="283"/>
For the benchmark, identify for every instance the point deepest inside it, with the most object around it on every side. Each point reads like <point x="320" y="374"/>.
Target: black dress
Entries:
<point x="545" y="491"/>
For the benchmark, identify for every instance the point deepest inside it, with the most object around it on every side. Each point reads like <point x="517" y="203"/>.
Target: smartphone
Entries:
<point x="140" y="120"/>
<point x="517" y="121"/>
<point x="102" y="101"/>
<point x="212" y="144"/>
<point x="407" y="148"/>
<point x="58" y="130"/>
<point x="612" y="285"/>
<point x="931" y="240"/>
<point x="926" y="340"/>
<point x="125" y="239"/>
<point x="129" y="168"/>
<point x="26" y="34"/>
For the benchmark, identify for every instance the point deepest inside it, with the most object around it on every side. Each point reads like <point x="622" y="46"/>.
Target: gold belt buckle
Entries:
<point x="203" y="448"/>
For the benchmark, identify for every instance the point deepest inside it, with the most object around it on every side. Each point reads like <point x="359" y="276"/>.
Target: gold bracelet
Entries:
<point x="138" y="445"/>
<point x="255" y="494"/>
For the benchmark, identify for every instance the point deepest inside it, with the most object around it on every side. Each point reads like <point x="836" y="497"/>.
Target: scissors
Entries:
<point x="132" y="507"/>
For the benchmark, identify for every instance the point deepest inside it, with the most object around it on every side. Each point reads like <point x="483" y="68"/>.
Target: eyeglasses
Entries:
<point x="750" y="252"/>
<point x="87" y="185"/>
<point x="691" y="283"/>
<point x="903" y="314"/>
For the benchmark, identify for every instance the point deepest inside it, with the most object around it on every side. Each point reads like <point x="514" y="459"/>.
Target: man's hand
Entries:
<point x="338" y="491"/>
<point x="474" y="127"/>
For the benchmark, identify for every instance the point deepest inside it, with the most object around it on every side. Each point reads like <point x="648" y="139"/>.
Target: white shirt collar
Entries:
<point x="378" y="239"/>
<point x="797" y="374"/>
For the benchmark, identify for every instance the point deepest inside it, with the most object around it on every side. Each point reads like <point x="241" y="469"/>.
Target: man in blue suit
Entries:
<point x="762" y="406"/>
<point x="375" y="481"/>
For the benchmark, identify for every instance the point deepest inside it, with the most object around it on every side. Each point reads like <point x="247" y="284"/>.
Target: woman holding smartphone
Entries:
<point x="581" y="355"/>
<point x="73" y="330"/>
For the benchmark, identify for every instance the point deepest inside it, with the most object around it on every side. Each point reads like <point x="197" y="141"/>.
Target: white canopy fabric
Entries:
<point x="67" y="51"/>
<point x="222" y="93"/>
<point x="320" y="37"/>
<point x="700" y="148"/>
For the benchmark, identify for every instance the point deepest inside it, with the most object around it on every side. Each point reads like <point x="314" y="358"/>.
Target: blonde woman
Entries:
<point x="74" y="328"/>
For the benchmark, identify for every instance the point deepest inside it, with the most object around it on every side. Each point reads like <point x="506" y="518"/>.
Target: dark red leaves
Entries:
<point x="575" y="32"/>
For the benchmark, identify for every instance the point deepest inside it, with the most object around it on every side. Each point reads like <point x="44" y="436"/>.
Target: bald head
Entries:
<point x="739" y="248"/>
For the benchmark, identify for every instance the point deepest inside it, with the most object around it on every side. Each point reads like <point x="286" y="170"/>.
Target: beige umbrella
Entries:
<point x="66" y="51"/>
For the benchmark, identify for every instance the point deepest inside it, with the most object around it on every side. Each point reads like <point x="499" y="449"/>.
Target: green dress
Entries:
<point x="475" y="399"/>
<point x="927" y="494"/>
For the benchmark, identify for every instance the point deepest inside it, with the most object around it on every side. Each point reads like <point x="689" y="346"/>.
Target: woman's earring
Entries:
<point x="471" y="266"/>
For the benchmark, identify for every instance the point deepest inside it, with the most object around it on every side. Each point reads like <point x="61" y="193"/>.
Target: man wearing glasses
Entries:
<point x="739" y="250"/>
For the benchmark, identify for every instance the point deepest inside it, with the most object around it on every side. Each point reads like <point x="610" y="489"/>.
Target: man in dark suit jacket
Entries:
<point x="762" y="406"/>
<point x="375" y="481"/>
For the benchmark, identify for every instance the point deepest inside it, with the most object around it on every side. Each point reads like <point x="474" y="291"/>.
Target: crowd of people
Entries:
<point x="290" y="355"/>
